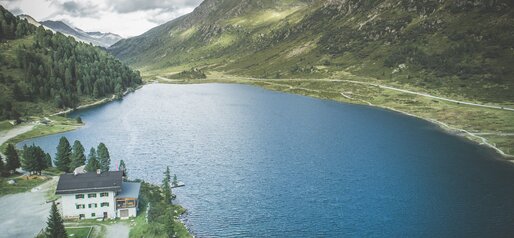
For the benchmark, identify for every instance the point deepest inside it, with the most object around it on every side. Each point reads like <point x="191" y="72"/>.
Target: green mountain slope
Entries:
<point x="42" y="72"/>
<point x="454" y="47"/>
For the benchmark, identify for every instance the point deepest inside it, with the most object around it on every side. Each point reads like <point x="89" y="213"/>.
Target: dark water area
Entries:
<point x="258" y="163"/>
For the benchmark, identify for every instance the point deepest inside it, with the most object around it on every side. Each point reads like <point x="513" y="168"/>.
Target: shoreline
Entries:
<point x="479" y="140"/>
<point x="16" y="137"/>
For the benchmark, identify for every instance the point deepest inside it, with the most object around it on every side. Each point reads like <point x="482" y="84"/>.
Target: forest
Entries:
<point x="51" y="67"/>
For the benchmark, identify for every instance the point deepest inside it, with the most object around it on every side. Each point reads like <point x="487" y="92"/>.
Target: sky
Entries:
<point x="124" y="17"/>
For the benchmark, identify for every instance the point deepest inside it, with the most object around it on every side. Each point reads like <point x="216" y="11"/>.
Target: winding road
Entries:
<point x="399" y="90"/>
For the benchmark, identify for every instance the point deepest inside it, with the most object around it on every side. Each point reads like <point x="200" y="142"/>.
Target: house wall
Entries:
<point x="132" y="212"/>
<point x="69" y="202"/>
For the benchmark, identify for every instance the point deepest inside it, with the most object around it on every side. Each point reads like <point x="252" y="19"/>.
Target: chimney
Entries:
<point x="98" y="171"/>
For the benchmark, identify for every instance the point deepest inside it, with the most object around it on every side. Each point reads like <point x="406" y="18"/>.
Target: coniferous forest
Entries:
<point x="39" y="66"/>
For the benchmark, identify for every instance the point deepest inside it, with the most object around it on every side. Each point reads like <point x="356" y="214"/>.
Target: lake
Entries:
<point x="259" y="163"/>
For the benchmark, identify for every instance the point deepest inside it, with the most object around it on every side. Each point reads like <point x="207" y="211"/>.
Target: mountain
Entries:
<point x="460" y="47"/>
<point x="96" y="38"/>
<point x="42" y="71"/>
<point x="29" y="19"/>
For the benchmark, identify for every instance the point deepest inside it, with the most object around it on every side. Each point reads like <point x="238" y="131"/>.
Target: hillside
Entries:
<point x="42" y="72"/>
<point x="457" y="47"/>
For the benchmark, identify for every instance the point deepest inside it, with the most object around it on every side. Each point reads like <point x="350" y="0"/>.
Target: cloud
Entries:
<point x="76" y="9"/>
<point x="124" y="17"/>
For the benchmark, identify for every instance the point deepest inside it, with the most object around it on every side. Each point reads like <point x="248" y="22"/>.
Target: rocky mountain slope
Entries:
<point x="463" y="47"/>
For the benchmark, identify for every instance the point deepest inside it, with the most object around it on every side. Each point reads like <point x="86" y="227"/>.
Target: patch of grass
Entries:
<point x="5" y="125"/>
<point x="23" y="184"/>
<point x="79" y="232"/>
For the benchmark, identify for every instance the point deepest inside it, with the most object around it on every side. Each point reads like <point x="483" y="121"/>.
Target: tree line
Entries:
<point x="34" y="159"/>
<point x="56" y="68"/>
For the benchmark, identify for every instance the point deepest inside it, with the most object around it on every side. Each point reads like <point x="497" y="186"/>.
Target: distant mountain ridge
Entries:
<point x="96" y="38"/>
<point x="461" y="47"/>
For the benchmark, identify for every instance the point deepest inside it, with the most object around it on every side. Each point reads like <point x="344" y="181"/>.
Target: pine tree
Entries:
<point x="77" y="157"/>
<point x="13" y="160"/>
<point x="55" y="224"/>
<point x="3" y="171"/>
<point x="63" y="155"/>
<point x="34" y="159"/>
<point x="92" y="162"/>
<point x="27" y="159"/>
<point x="48" y="160"/>
<point x="123" y="168"/>
<point x="103" y="157"/>
<point x="175" y="180"/>
<point x="166" y="188"/>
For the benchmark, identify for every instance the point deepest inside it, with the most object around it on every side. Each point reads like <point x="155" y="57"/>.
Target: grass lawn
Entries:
<point x="23" y="184"/>
<point x="5" y="125"/>
<point x="79" y="232"/>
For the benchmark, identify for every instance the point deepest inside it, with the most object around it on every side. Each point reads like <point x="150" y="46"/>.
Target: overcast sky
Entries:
<point x="124" y="17"/>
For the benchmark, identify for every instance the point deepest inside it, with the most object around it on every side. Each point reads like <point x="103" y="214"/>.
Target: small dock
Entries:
<point x="178" y="184"/>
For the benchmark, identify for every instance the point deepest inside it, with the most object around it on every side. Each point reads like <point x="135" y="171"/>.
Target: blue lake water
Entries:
<point x="258" y="163"/>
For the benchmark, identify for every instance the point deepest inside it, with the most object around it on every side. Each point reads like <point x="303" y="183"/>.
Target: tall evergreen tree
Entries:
<point x="48" y="160"/>
<point x="77" y="157"/>
<point x="103" y="157"/>
<point x="3" y="171"/>
<point x="63" y="155"/>
<point x="55" y="224"/>
<point x="92" y="161"/>
<point x="166" y="187"/>
<point x="123" y="167"/>
<point x="13" y="160"/>
<point x="34" y="159"/>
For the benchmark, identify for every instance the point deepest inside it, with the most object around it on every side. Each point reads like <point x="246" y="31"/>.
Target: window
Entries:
<point x="79" y="196"/>
<point x="104" y="194"/>
<point x="91" y="195"/>
<point x="82" y="216"/>
<point x="104" y="204"/>
<point x="93" y="214"/>
<point x="92" y="205"/>
<point x="80" y="206"/>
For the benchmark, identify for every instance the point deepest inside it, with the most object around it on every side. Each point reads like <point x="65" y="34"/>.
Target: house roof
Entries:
<point x="89" y="182"/>
<point x="129" y="190"/>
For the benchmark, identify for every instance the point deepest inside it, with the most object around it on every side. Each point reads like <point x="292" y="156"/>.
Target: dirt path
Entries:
<point x="397" y="89"/>
<point x="6" y="135"/>
<point x="25" y="214"/>
<point x="85" y="106"/>
<point x="119" y="230"/>
<point x="426" y="95"/>
<point x="18" y="130"/>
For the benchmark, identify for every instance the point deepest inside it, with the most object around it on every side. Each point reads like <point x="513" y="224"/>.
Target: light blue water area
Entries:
<point x="258" y="163"/>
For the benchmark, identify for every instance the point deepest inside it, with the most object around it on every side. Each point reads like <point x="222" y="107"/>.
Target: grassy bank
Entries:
<point x="56" y="124"/>
<point x="490" y="127"/>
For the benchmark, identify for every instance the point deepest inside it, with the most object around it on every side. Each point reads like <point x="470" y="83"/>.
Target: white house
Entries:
<point x="97" y="195"/>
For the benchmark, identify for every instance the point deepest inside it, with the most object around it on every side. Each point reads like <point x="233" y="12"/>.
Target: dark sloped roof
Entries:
<point x="89" y="182"/>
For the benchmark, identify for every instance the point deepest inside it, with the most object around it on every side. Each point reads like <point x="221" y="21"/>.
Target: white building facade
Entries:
<point x="89" y="205"/>
<point x="97" y="195"/>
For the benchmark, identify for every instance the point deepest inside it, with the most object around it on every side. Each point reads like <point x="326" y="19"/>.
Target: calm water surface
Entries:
<point x="258" y="163"/>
